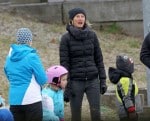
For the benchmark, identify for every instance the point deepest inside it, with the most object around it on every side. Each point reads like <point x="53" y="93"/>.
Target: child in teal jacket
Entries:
<point x="53" y="100"/>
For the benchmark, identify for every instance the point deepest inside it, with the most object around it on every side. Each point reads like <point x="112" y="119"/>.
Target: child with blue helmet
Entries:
<point x="5" y="114"/>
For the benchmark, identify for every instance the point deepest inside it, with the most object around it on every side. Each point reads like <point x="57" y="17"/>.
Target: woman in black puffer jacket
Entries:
<point x="81" y="54"/>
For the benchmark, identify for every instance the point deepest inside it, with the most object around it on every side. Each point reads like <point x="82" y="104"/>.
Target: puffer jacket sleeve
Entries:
<point x="64" y="51"/>
<point x="145" y="51"/>
<point x="38" y="69"/>
<point x="99" y="60"/>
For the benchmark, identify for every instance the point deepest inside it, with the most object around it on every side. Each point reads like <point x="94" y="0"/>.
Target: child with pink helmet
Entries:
<point x="53" y="100"/>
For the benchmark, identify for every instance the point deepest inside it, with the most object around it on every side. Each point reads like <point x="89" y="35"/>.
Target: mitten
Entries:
<point x="103" y="88"/>
<point x="131" y="109"/>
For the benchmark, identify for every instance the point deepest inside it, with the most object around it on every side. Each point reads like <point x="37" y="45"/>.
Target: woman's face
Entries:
<point x="78" y="20"/>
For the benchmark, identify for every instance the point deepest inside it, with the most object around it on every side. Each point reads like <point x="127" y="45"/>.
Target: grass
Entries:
<point x="46" y="39"/>
<point x="107" y="114"/>
<point x="113" y="28"/>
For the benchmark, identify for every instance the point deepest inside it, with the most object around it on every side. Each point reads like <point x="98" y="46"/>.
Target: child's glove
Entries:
<point x="103" y="87"/>
<point x="131" y="109"/>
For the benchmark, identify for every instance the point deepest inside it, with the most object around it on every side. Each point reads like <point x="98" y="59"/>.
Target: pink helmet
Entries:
<point x="54" y="73"/>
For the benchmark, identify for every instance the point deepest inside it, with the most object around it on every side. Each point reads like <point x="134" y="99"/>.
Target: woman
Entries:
<point x="81" y="55"/>
<point x="26" y="75"/>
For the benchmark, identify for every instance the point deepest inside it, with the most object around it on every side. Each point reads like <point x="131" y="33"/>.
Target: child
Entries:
<point x="5" y="114"/>
<point x="126" y="88"/>
<point x="53" y="94"/>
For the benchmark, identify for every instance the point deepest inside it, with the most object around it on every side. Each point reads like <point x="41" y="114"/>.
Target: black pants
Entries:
<point x="92" y="90"/>
<point x="31" y="112"/>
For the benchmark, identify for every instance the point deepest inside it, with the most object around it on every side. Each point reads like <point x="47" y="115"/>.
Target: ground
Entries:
<point x="107" y="114"/>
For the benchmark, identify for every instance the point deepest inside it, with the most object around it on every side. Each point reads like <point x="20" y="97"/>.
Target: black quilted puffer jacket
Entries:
<point x="80" y="53"/>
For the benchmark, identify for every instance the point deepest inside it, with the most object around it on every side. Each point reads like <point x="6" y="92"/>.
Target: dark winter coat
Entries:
<point x="145" y="51"/>
<point x="81" y="55"/>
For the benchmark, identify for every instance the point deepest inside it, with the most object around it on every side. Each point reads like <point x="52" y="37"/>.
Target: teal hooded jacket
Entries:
<point x="25" y="73"/>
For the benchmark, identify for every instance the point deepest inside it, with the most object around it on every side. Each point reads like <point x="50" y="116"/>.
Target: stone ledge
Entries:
<point x="109" y="99"/>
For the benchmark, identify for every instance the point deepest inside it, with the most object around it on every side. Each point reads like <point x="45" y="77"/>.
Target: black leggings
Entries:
<point x="92" y="91"/>
<point x="31" y="112"/>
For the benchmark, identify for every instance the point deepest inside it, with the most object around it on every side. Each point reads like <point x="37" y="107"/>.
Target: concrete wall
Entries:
<point x="49" y="13"/>
<point x="104" y="11"/>
<point x="55" y="1"/>
<point x="2" y="1"/>
<point x="25" y="1"/>
<point x="122" y="12"/>
<point x="126" y="13"/>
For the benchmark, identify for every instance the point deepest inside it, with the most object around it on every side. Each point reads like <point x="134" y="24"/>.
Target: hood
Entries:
<point x="115" y="75"/>
<point x="79" y="34"/>
<point x="18" y="52"/>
